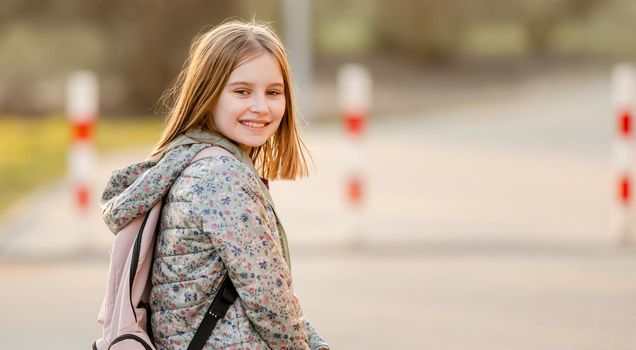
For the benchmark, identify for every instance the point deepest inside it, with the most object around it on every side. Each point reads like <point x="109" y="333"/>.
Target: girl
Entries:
<point x="234" y="95"/>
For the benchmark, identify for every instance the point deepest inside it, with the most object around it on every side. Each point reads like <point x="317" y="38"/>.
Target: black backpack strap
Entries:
<point x="223" y="299"/>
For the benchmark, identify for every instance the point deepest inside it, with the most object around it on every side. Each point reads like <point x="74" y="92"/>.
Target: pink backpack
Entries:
<point x="125" y="311"/>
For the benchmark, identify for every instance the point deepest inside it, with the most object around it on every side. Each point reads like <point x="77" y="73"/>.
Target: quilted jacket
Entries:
<point x="217" y="218"/>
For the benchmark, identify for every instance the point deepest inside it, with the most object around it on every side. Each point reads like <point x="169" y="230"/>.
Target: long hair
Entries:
<point x="213" y="56"/>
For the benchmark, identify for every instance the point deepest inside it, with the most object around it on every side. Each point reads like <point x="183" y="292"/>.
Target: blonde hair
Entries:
<point x="213" y="56"/>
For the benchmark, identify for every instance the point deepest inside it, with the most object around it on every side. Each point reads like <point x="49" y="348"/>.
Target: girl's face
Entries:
<point x="252" y="103"/>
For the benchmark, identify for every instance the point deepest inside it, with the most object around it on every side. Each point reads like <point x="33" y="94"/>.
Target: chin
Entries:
<point x="252" y="145"/>
<point x="255" y="144"/>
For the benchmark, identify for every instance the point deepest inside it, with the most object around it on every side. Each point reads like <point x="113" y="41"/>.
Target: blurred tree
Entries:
<point x="344" y="28"/>
<point x="422" y="28"/>
<point x="138" y="46"/>
<point x="432" y="29"/>
<point x="158" y="40"/>
<point x="143" y="43"/>
<point x="541" y="18"/>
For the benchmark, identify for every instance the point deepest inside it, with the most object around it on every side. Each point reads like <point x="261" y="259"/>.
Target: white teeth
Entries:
<point x="253" y="124"/>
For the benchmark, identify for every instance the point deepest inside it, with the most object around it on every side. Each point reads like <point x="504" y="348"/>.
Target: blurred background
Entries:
<point x="484" y="213"/>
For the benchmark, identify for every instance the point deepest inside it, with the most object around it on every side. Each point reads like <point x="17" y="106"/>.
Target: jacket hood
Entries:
<point x="135" y="189"/>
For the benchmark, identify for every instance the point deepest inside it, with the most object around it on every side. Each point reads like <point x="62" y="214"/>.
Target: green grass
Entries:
<point x="34" y="152"/>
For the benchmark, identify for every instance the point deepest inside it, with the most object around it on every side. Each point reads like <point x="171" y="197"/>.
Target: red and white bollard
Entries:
<point x="82" y="105"/>
<point x="354" y="90"/>
<point x="623" y="89"/>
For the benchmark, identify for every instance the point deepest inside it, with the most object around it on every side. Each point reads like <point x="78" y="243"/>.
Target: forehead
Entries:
<point x="262" y="68"/>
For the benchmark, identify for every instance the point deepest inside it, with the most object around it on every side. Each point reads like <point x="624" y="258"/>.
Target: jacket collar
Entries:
<point x="213" y="138"/>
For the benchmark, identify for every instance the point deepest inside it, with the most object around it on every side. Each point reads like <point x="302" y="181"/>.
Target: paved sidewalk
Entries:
<point x="46" y="224"/>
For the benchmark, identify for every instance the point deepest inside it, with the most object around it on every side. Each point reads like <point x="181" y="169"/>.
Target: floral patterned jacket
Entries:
<point x="217" y="218"/>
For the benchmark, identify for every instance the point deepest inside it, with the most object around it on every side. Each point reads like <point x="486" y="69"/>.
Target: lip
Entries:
<point x="254" y="121"/>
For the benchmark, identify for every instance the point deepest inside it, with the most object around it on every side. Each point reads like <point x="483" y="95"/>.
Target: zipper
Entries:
<point x="130" y="337"/>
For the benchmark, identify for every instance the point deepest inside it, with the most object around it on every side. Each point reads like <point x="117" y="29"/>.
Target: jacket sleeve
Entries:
<point x="236" y="222"/>
<point x="315" y="340"/>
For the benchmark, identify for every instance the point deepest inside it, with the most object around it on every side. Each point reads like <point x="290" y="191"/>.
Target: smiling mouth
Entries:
<point x="256" y="125"/>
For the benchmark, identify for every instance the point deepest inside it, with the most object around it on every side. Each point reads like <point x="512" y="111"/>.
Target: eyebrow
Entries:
<point x="246" y="83"/>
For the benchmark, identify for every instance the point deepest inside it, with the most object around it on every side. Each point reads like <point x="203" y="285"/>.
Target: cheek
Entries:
<point x="278" y="108"/>
<point x="225" y="110"/>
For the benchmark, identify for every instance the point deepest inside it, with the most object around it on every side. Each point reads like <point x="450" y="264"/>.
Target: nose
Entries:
<point x="259" y="105"/>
